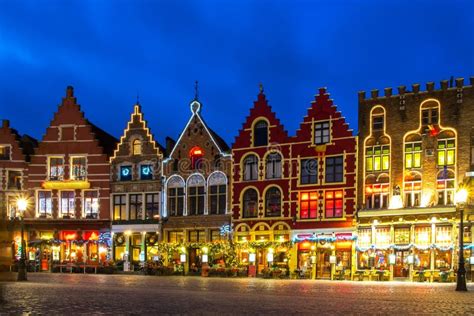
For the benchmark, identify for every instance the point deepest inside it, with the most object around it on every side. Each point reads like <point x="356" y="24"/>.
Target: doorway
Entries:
<point x="323" y="266"/>
<point x="401" y="267"/>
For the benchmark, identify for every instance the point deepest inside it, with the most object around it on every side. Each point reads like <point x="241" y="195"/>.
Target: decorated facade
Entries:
<point x="298" y="189"/>
<point x="15" y="151"/>
<point x="323" y="191"/>
<point x="196" y="209"/>
<point x="415" y="151"/>
<point x="261" y="202"/>
<point x="136" y="192"/>
<point x="69" y="184"/>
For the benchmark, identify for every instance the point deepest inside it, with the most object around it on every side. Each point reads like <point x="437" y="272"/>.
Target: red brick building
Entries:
<point x="15" y="151"/>
<point x="300" y="187"/>
<point x="261" y="184"/>
<point x="69" y="178"/>
<point x="323" y="188"/>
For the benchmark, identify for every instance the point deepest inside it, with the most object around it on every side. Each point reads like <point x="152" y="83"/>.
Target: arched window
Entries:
<point x="273" y="202"/>
<point x="273" y="165"/>
<point x="175" y="196"/>
<point x="412" y="189"/>
<point x="378" y="119"/>
<point x="217" y="193"/>
<point x="250" y="204"/>
<point x="260" y="134"/>
<point x="196" y="194"/>
<point x="250" y="168"/>
<point x="376" y="192"/>
<point x="195" y="154"/>
<point x="429" y="113"/>
<point x="445" y="187"/>
<point x="136" y="147"/>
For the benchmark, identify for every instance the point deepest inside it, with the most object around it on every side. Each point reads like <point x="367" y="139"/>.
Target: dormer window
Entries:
<point x="136" y="147"/>
<point x="125" y="173"/>
<point x="196" y="154"/>
<point x="260" y="134"/>
<point x="4" y="152"/>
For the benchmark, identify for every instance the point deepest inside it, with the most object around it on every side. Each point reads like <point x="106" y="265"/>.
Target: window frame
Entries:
<point x="445" y="152"/>
<point x="60" y="171"/>
<point x="322" y="132"/>
<point x="273" y="167"/>
<point x="331" y="169"/>
<point x="306" y="178"/>
<point x="309" y="202"/>
<point x="245" y="203"/>
<point x="196" y="200"/>
<point x="260" y="133"/>
<point x="250" y="169"/>
<point x="215" y="198"/>
<point x="72" y="170"/>
<point x="268" y="199"/>
<point x="70" y="211"/>
<point x="48" y="204"/>
<point x="414" y="154"/>
<point x="331" y="196"/>
<point x="127" y="177"/>
<point x="382" y="157"/>
<point x="135" y="206"/>
<point x="175" y="201"/>
<point x="89" y="212"/>
<point x="153" y="205"/>
<point x="122" y="207"/>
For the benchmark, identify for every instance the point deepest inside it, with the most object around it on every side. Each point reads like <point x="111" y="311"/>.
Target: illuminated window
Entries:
<point x="321" y="133"/>
<point x="216" y="235"/>
<point x="260" y="134"/>
<point x="445" y="187"/>
<point x="44" y="203"/>
<point x="136" y="147"/>
<point x="176" y="201"/>
<point x="273" y="165"/>
<point x="423" y="235"/>
<point x="376" y="194"/>
<point x="135" y="206"/>
<point x="377" y="122"/>
<point x="152" y="206"/>
<point x="120" y="207"/>
<point x="446" y="152"/>
<point x="365" y="237"/>
<point x="196" y="196"/>
<point x="4" y="152"/>
<point x="250" y="203"/>
<point x="273" y="202"/>
<point x="146" y="172"/>
<point x="309" y="171"/>
<point x="217" y="199"/>
<point x="412" y="189"/>
<point x="251" y="168"/>
<point x="333" y="203"/>
<point x="197" y="236"/>
<point x="125" y="173"/>
<point x="308" y="205"/>
<point x="175" y="237"/>
<point x="91" y="204"/>
<point x="334" y="169"/>
<point x="377" y="158"/>
<point x="196" y="154"/>
<point x="443" y="235"/>
<point x="67" y="204"/>
<point x="429" y="116"/>
<point x="56" y="168"/>
<point x="413" y="155"/>
<point x="382" y="236"/>
<point x="78" y="168"/>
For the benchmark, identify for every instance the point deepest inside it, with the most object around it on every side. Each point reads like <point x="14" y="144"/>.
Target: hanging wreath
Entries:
<point x="119" y="239"/>
<point x="151" y="239"/>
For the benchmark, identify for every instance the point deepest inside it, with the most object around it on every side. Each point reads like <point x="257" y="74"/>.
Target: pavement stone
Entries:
<point x="61" y="294"/>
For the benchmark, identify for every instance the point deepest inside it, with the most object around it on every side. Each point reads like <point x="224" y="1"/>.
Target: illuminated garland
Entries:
<point x="319" y="238"/>
<point x="407" y="247"/>
<point x="467" y="247"/>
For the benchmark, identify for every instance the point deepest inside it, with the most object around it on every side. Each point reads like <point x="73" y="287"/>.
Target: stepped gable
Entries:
<point x="323" y="108"/>
<point x="261" y="109"/>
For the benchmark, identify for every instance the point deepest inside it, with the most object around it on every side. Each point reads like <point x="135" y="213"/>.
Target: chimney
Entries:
<point x="459" y="82"/>
<point x="374" y="93"/>
<point x="69" y="92"/>
<point x="361" y="95"/>
<point x="415" y="87"/>
<point x="430" y="86"/>
<point x="444" y="84"/>
<point x="401" y="89"/>
<point x="388" y="92"/>
<point x="5" y="124"/>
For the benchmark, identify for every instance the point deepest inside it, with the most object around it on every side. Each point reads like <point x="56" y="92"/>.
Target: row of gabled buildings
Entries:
<point x="324" y="201"/>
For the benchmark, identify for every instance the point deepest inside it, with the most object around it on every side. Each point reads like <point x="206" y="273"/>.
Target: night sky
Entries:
<point x="110" y="51"/>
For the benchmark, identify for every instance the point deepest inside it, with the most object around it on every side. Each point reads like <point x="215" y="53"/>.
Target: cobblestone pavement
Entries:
<point x="135" y="294"/>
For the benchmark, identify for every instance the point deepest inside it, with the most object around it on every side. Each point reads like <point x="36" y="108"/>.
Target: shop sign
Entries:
<point x="91" y="235"/>
<point x="68" y="235"/>
<point x="46" y="235"/>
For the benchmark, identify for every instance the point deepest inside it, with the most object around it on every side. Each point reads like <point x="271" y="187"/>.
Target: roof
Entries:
<point x="106" y="141"/>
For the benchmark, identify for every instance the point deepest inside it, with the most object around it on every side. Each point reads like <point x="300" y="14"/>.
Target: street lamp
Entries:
<point x="22" y="204"/>
<point x="460" y="199"/>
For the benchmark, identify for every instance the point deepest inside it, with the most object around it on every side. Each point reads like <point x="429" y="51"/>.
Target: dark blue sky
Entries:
<point x="110" y="50"/>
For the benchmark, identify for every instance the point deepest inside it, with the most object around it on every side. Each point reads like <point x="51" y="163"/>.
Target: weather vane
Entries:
<point x="260" y="87"/>
<point x="196" y="90"/>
